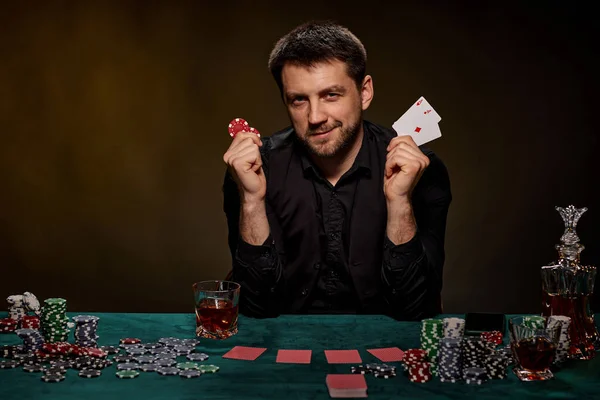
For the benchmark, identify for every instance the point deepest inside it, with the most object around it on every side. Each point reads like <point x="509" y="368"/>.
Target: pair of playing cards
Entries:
<point x="420" y="122"/>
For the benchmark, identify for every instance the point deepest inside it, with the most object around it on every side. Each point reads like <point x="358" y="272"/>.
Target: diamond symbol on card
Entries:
<point x="417" y="129"/>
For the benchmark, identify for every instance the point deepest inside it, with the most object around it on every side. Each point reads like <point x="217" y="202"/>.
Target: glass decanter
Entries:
<point x="567" y="288"/>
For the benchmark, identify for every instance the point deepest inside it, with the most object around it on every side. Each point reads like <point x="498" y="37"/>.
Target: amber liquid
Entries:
<point x="535" y="354"/>
<point x="582" y="331"/>
<point x="216" y="318"/>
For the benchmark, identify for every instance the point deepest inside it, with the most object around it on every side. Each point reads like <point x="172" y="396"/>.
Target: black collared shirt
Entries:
<point x="334" y="291"/>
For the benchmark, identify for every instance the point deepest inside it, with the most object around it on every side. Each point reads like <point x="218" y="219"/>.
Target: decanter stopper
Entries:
<point x="570" y="248"/>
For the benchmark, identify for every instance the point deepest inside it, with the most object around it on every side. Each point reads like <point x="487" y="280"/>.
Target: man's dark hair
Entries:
<point x="319" y="41"/>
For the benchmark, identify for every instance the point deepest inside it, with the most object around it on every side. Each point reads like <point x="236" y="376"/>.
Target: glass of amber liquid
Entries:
<point x="216" y="308"/>
<point x="534" y="347"/>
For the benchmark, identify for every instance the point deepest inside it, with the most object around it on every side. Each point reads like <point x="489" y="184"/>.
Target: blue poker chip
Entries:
<point x="90" y="373"/>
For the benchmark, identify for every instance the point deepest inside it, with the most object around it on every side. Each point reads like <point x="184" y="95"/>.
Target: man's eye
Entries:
<point x="297" y="100"/>
<point x="332" y="95"/>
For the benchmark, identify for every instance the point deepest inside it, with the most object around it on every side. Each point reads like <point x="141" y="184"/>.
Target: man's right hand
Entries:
<point x="245" y="164"/>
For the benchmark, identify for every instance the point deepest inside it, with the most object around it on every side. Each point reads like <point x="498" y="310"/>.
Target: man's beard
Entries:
<point x="346" y="138"/>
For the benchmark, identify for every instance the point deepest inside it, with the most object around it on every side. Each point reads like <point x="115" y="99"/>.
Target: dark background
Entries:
<point x="113" y="119"/>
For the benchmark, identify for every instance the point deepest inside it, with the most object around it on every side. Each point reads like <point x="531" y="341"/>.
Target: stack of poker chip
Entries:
<point x="564" y="342"/>
<point x="534" y="322"/>
<point x="8" y="325"/>
<point x="54" y="320"/>
<point x="454" y="327"/>
<point x="16" y="307"/>
<point x="420" y="372"/>
<point x="32" y="339"/>
<point x="413" y="356"/>
<point x="506" y="353"/>
<point x="30" y="322"/>
<point x="495" y="366"/>
<point x="85" y="330"/>
<point x="474" y="376"/>
<point x="449" y="360"/>
<point x="432" y="330"/>
<point x="474" y="352"/>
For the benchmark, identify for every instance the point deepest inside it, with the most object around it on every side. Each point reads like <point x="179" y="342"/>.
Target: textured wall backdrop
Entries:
<point x="113" y="124"/>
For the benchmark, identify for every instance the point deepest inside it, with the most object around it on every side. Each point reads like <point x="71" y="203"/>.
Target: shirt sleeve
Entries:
<point x="412" y="272"/>
<point x="258" y="269"/>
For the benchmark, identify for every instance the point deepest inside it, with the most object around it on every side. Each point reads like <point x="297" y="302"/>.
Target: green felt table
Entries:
<point x="266" y="379"/>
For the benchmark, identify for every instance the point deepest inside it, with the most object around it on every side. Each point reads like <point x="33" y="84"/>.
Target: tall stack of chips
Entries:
<point x="474" y="375"/>
<point x="495" y="366"/>
<point x="564" y="342"/>
<point x="54" y="320"/>
<point x="432" y="330"/>
<point x="449" y="361"/>
<point x="454" y="327"/>
<point x="474" y="352"/>
<point x="85" y="330"/>
<point x="16" y="307"/>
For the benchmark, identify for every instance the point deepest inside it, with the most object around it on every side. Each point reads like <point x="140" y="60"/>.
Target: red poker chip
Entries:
<point x="237" y="125"/>
<point x="130" y="341"/>
<point x="494" y="337"/>
<point x="50" y="348"/>
<point x="254" y="130"/>
<point x="97" y="353"/>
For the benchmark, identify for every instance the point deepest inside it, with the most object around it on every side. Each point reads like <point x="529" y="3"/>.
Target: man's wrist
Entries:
<point x="401" y="224"/>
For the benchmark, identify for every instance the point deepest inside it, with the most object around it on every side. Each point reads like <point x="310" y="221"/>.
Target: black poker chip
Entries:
<point x="360" y="369"/>
<point x="122" y="359"/>
<point x="53" y="377"/>
<point x="90" y="373"/>
<point x="384" y="374"/>
<point x="148" y="367"/>
<point x="49" y="369"/>
<point x="168" y="371"/>
<point x="6" y="364"/>
<point x="110" y="349"/>
<point x="33" y="368"/>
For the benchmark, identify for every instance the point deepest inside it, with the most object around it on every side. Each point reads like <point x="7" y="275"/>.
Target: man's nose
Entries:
<point x="316" y="114"/>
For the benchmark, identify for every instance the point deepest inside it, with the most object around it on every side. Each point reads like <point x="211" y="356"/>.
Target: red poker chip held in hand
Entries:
<point x="240" y="125"/>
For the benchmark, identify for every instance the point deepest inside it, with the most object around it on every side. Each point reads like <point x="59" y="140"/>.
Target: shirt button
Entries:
<point x="304" y="292"/>
<point x="317" y="265"/>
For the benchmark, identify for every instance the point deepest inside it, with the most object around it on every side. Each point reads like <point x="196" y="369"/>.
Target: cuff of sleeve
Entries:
<point x="250" y="252"/>
<point x="402" y="255"/>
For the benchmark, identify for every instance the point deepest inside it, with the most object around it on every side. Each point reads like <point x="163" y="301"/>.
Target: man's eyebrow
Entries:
<point x="333" y="88"/>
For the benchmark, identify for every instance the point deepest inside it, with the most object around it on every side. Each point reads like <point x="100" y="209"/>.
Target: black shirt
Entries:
<point x="334" y="291"/>
<point x="328" y="250"/>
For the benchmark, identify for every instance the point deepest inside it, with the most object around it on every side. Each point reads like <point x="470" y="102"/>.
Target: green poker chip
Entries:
<point x="188" y="365"/>
<point x="208" y="369"/>
<point x="127" y="374"/>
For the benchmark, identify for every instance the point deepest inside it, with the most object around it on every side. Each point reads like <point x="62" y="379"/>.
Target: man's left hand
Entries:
<point x="403" y="168"/>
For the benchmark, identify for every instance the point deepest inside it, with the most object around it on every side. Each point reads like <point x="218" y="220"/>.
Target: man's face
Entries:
<point x="325" y="106"/>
